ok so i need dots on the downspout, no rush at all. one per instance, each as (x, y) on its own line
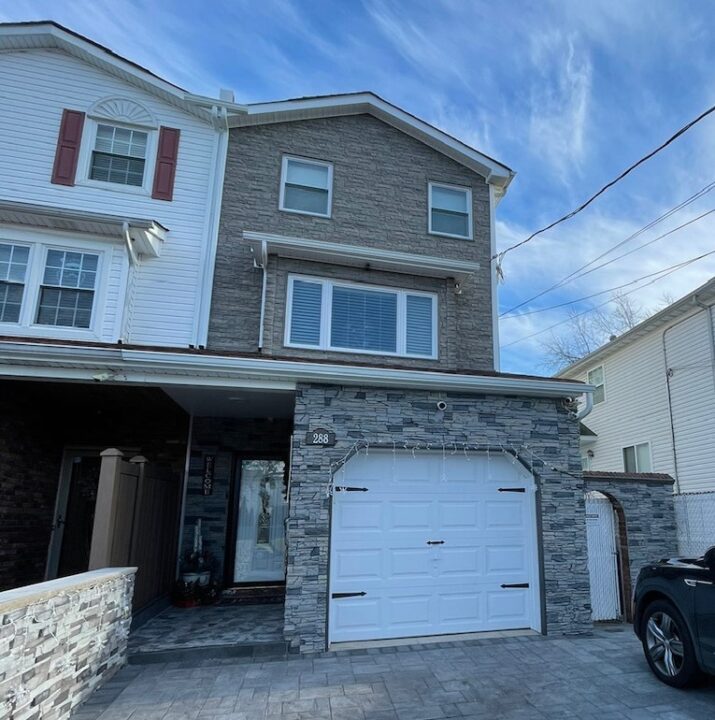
(586, 409)
(494, 278)
(219, 119)
(127, 311)
(263, 265)
(676, 484)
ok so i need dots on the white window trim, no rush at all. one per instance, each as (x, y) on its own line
(39, 244)
(634, 445)
(309, 161)
(84, 164)
(603, 383)
(326, 317)
(468, 190)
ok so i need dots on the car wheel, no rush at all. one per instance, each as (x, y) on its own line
(667, 645)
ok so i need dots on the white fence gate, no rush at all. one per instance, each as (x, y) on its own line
(695, 516)
(602, 557)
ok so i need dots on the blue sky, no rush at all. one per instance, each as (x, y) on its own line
(566, 93)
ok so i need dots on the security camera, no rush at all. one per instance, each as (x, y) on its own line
(441, 405)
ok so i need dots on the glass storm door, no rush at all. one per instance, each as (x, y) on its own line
(260, 537)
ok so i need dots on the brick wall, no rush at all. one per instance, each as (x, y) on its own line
(379, 200)
(37, 421)
(60, 640)
(386, 416)
(228, 439)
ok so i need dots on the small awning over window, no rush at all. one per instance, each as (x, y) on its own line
(263, 244)
(146, 236)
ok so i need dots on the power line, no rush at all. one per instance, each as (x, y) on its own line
(608, 185)
(576, 274)
(663, 274)
(598, 267)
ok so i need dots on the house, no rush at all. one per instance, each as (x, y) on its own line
(306, 370)
(654, 408)
(111, 181)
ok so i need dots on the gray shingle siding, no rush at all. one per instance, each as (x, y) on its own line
(379, 200)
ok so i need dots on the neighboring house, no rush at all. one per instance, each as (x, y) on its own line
(316, 383)
(654, 407)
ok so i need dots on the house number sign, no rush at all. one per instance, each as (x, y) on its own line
(320, 436)
(207, 480)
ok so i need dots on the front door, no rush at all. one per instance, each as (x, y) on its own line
(260, 536)
(74, 514)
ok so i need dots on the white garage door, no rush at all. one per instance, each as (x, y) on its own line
(432, 544)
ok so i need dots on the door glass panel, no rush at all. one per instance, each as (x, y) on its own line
(260, 537)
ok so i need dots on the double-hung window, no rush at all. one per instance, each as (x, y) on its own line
(306, 186)
(67, 289)
(49, 289)
(13, 272)
(450, 211)
(597, 379)
(636, 458)
(119, 155)
(346, 317)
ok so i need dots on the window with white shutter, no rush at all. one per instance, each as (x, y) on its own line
(349, 317)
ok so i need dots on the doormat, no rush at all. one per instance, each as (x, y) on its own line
(253, 596)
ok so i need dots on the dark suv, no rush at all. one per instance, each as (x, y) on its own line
(674, 617)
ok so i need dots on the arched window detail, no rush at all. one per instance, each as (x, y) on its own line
(123, 110)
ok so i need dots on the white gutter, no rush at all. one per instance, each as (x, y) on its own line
(33, 360)
(201, 324)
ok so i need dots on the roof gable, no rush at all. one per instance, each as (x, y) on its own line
(361, 103)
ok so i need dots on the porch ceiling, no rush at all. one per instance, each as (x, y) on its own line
(234, 403)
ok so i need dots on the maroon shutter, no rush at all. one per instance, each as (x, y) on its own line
(67, 154)
(165, 171)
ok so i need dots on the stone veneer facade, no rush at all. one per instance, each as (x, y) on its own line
(61, 639)
(383, 416)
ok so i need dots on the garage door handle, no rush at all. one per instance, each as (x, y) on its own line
(515, 585)
(512, 490)
(435, 542)
(337, 596)
(343, 488)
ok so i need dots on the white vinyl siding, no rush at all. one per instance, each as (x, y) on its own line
(597, 379)
(450, 211)
(636, 458)
(347, 317)
(306, 186)
(164, 295)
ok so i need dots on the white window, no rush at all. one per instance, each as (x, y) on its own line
(13, 271)
(119, 155)
(597, 379)
(450, 210)
(67, 289)
(347, 317)
(636, 458)
(306, 186)
(50, 289)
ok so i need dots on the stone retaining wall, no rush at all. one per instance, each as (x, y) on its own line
(60, 639)
(376, 415)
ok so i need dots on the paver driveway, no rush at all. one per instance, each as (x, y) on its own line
(601, 677)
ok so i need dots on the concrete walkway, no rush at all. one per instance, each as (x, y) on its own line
(602, 677)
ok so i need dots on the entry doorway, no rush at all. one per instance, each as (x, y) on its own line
(258, 535)
(71, 537)
(603, 561)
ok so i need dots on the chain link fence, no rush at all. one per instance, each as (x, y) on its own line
(695, 515)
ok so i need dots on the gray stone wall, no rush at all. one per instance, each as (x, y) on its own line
(648, 514)
(60, 640)
(228, 439)
(379, 200)
(385, 416)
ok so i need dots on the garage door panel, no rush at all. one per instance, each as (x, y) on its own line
(501, 559)
(379, 546)
(502, 513)
(409, 563)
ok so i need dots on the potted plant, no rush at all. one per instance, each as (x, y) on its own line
(184, 594)
(196, 566)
